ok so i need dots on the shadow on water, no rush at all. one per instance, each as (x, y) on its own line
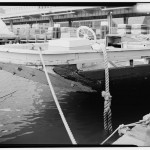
(84, 113)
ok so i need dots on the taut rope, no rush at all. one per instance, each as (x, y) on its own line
(56, 102)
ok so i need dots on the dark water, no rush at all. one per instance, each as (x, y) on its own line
(29, 115)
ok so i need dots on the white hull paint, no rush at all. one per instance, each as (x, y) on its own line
(59, 57)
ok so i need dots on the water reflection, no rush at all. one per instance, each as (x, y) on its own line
(16, 108)
(29, 116)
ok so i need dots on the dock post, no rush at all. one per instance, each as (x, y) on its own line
(30, 25)
(70, 23)
(131, 63)
(109, 18)
(51, 23)
(125, 20)
(148, 60)
(36, 38)
(11, 25)
(45, 37)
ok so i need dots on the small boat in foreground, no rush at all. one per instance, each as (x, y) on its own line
(138, 135)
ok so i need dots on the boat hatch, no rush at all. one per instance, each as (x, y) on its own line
(113, 41)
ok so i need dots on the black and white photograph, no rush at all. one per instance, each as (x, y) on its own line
(74, 74)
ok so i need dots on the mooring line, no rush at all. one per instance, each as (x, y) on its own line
(110, 135)
(56, 101)
(106, 94)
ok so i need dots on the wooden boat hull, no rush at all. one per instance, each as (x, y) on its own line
(89, 79)
(38, 75)
(96, 78)
(65, 62)
(27, 54)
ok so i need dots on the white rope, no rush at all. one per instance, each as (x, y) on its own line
(111, 134)
(106, 95)
(57, 103)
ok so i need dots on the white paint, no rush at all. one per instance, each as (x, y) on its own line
(69, 42)
(6, 109)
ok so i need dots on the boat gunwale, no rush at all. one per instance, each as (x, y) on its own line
(109, 50)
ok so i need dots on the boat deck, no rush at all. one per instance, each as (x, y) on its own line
(138, 135)
(61, 57)
(128, 140)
